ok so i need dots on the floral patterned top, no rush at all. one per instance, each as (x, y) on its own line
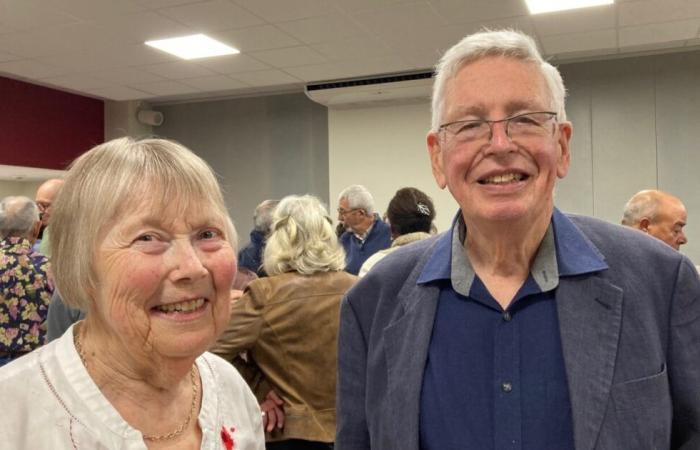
(25, 293)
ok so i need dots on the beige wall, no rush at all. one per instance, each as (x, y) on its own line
(26, 188)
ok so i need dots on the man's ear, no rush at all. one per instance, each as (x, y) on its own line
(435, 153)
(565, 132)
(644, 224)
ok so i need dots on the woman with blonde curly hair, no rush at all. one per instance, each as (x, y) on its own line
(288, 322)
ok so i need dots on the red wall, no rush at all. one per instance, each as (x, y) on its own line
(43, 127)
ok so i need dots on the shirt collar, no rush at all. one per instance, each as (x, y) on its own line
(564, 251)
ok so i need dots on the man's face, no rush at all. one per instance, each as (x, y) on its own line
(44, 199)
(500, 179)
(350, 217)
(668, 224)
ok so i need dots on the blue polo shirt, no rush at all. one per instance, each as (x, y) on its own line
(494, 378)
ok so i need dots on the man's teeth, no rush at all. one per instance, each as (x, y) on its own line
(187, 306)
(506, 178)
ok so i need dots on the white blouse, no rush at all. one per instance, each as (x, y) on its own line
(50, 401)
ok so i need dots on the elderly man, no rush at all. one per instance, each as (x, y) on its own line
(521, 327)
(658, 214)
(25, 287)
(366, 232)
(251, 255)
(45, 196)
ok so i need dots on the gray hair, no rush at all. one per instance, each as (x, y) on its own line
(358, 197)
(644, 204)
(18, 215)
(303, 239)
(508, 43)
(262, 218)
(105, 181)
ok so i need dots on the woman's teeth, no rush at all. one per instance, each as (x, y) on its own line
(187, 306)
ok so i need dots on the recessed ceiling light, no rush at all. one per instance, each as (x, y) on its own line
(544, 6)
(193, 47)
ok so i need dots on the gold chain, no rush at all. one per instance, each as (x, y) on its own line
(157, 437)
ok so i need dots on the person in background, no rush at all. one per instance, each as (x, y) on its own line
(410, 215)
(25, 282)
(45, 196)
(658, 214)
(250, 256)
(141, 239)
(520, 328)
(288, 324)
(366, 232)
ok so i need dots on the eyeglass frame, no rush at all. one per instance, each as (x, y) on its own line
(490, 123)
(343, 212)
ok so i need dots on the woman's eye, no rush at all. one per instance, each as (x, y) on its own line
(146, 238)
(208, 234)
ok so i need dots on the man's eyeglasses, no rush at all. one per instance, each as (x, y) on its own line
(343, 212)
(531, 125)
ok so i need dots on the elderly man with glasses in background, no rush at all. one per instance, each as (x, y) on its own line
(521, 327)
(365, 233)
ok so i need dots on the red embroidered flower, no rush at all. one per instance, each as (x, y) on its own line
(227, 439)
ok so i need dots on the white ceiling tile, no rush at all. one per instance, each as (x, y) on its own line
(262, 37)
(318, 72)
(178, 70)
(318, 29)
(212, 16)
(278, 11)
(363, 5)
(459, 11)
(76, 82)
(115, 56)
(214, 83)
(93, 9)
(402, 20)
(118, 93)
(144, 26)
(8, 57)
(575, 21)
(157, 4)
(53, 40)
(31, 69)
(165, 88)
(652, 11)
(232, 64)
(659, 33)
(579, 42)
(266, 78)
(26, 15)
(126, 76)
(353, 48)
(289, 57)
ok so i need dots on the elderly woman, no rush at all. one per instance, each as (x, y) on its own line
(288, 323)
(141, 241)
(410, 215)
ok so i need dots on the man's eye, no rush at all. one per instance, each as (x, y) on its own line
(468, 127)
(524, 121)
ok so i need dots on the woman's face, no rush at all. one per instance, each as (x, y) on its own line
(164, 278)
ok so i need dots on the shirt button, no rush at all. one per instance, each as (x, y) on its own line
(506, 387)
(506, 316)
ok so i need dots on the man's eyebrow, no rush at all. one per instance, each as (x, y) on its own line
(480, 111)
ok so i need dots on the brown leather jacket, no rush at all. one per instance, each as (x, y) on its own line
(288, 324)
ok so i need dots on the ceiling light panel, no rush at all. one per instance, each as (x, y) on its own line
(193, 47)
(545, 6)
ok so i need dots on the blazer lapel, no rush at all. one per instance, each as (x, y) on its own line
(406, 341)
(590, 317)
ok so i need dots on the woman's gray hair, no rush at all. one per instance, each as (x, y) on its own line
(18, 215)
(358, 197)
(110, 179)
(508, 43)
(303, 239)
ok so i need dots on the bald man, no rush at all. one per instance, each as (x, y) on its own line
(658, 214)
(45, 196)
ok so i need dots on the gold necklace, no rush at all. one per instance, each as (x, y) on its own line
(153, 437)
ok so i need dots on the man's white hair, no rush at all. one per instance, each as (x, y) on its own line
(509, 43)
(358, 197)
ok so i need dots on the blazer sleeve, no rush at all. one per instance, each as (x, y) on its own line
(245, 322)
(684, 359)
(351, 426)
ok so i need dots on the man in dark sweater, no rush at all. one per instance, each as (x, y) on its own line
(366, 232)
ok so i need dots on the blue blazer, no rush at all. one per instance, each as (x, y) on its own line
(630, 336)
